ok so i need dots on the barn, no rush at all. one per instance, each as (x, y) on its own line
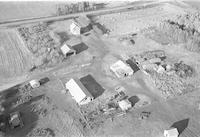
(78, 91)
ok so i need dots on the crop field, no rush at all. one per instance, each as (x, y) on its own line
(25, 10)
(14, 58)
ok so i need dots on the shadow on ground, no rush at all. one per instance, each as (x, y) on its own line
(63, 37)
(8, 101)
(181, 125)
(92, 86)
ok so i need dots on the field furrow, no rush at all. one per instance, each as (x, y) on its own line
(14, 56)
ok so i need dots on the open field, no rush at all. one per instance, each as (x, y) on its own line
(136, 20)
(15, 58)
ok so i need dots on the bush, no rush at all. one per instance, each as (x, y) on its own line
(183, 70)
(184, 30)
(169, 85)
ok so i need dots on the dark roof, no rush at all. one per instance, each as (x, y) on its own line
(133, 65)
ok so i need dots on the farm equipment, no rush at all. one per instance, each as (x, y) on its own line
(41, 132)
(144, 115)
(15, 120)
(120, 93)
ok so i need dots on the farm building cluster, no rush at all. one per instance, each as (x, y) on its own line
(45, 46)
(99, 73)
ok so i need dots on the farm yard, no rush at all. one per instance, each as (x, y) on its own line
(15, 58)
(133, 85)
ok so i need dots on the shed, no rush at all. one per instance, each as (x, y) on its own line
(173, 132)
(121, 69)
(34, 83)
(79, 93)
(160, 69)
(67, 50)
(124, 104)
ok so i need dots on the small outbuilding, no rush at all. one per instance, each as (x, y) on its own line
(34, 83)
(67, 50)
(124, 104)
(78, 91)
(172, 132)
(121, 69)
(160, 69)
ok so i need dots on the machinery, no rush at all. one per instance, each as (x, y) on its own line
(15, 120)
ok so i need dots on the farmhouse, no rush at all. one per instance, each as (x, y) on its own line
(173, 132)
(67, 50)
(80, 26)
(121, 69)
(79, 93)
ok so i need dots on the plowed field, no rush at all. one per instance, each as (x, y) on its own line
(15, 59)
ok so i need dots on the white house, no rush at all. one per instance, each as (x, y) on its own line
(121, 69)
(173, 132)
(78, 91)
(75, 28)
(67, 50)
(80, 25)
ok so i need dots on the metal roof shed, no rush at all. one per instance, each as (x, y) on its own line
(173, 132)
(124, 104)
(67, 50)
(79, 93)
(121, 69)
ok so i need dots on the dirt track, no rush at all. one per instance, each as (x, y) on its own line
(89, 13)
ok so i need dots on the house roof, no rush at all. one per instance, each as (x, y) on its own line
(124, 104)
(73, 41)
(66, 48)
(173, 132)
(120, 67)
(82, 21)
(77, 90)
